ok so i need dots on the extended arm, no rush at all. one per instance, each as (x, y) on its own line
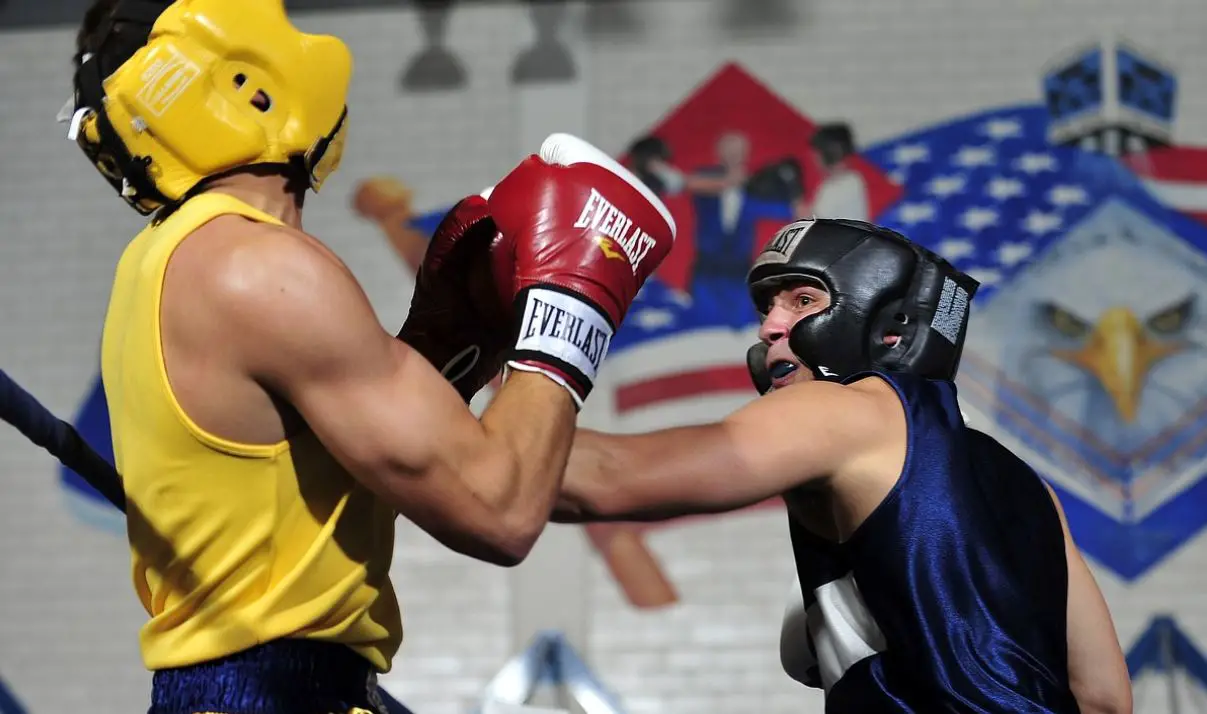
(308, 334)
(782, 440)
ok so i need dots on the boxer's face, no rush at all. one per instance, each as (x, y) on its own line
(793, 301)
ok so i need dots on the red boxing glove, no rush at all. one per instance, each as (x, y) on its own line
(456, 320)
(580, 236)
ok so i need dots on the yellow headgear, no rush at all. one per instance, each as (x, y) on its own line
(219, 84)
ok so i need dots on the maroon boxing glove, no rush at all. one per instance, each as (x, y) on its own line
(456, 320)
(580, 234)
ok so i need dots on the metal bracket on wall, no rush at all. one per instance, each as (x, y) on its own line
(548, 59)
(762, 17)
(435, 67)
(613, 20)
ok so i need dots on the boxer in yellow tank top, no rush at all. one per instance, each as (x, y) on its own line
(268, 430)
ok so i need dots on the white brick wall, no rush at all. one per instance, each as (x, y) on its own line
(68, 619)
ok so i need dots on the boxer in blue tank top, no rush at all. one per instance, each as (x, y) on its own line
(935, 572)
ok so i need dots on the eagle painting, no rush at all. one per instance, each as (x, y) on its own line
(1091, 362)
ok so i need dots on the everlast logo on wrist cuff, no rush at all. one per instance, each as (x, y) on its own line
(599, 214)
(565, 327)
(548, 320)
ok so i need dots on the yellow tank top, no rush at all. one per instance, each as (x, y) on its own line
(233, 544)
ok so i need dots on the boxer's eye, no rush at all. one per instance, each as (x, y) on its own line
(1172, 319)
(1063, 321)
(804, 297)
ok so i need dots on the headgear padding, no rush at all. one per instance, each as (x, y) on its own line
(880, 284)
(218, 85)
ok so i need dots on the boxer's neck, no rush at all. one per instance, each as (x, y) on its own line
(274, 194)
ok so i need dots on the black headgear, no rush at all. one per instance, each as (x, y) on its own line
(880, 284)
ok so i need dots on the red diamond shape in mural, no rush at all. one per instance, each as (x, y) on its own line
(732, 100)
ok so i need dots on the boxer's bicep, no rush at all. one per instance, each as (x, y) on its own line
(307, 333)
(777, 442)
(808, 432)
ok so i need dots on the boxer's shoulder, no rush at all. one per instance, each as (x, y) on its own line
(233, 258)
(876, 386)
(232, 236)
(871, 412)
(853, 432)
(257, 284)
(868, 399)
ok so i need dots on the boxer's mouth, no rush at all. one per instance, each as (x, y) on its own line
(781, 371)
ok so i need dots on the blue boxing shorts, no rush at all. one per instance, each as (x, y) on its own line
(281, 677)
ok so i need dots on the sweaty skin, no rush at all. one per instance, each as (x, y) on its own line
(852, 458)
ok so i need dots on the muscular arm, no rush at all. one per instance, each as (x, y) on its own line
(308, 334)
(1097, 668)
(782, 440)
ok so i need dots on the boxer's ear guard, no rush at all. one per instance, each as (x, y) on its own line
(931, 322)
(881, 285)
(218, 86)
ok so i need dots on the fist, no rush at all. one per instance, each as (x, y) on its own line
(456, 320)
(579, 236)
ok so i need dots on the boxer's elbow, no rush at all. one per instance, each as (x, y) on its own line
(513, 548)
(493, 544)
(514, 534)
(467, 512)
(1094, 706)
(485, 532)
(504, 553)
(506, 541)
(1104, 697)
(512, 510)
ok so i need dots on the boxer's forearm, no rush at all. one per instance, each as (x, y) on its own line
(494, 502)
(641, 477)
(588, 492)
(532, 421)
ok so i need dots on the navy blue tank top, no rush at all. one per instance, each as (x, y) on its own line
(952, 595)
